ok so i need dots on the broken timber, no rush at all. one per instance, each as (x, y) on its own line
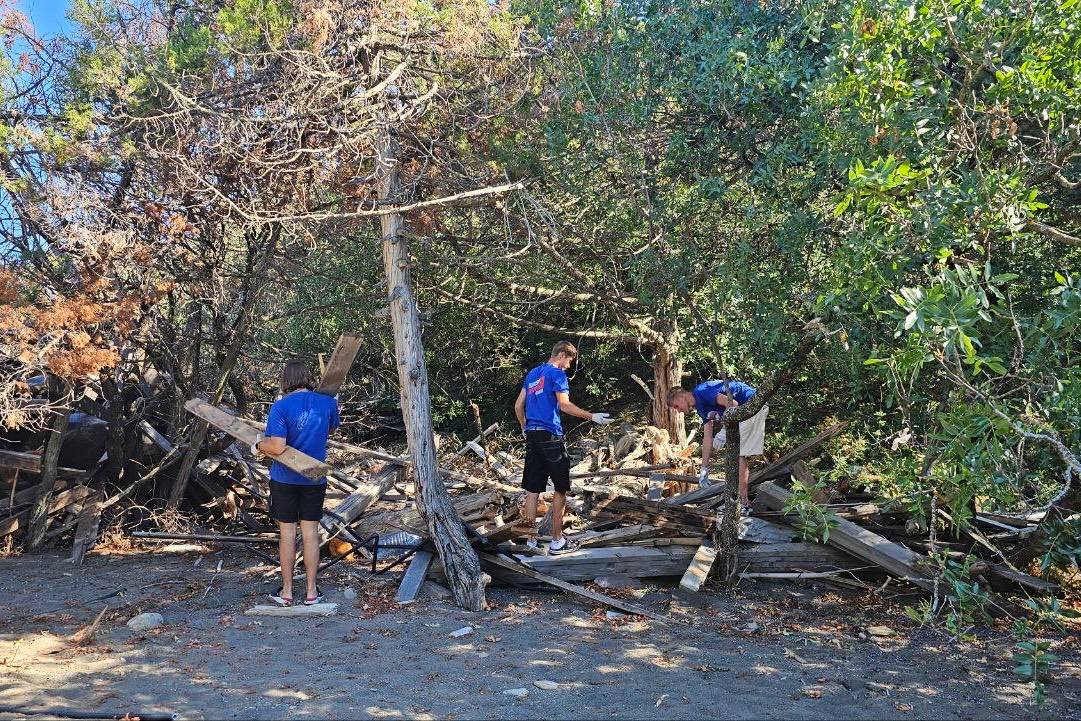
(700, 494)
(86, 533)
(340, 363)
(32, 462)
(414, 576)
(510, 565)
(236, 427)
(860, 542)
(698, 570)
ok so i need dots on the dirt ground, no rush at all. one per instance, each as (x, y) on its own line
(763, 651)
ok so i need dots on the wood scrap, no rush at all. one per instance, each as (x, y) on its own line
(414, 576)
(86, 532)
(341, 360)
(698, 570)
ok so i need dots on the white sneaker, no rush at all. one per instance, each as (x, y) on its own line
(531, 544)
(562, 546)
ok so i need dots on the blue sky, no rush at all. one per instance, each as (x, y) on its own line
(48, 15)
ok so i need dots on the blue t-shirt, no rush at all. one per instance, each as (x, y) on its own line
(541, 406)
(304, 419)
(705, 395)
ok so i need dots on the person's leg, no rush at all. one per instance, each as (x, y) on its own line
(559, 502)
(287, 553)
(309, 531)
(531, 514)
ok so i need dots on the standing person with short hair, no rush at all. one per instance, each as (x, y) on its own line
(300, 419)
(710, 399)
(545, 392)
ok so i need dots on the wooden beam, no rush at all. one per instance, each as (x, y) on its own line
(509, 565)
(299, 610)
(414, 576)
(698, 570)
(700, 494)
(86, 532)
(585, 564)
(58, 503)
(293, 459)
(345, 353)
(860, 542)
(32, 462)
(615, 535)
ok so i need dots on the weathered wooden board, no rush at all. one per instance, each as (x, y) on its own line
(700, 494)
(698, 570)
(414, 576)
(860, 542)
(246, 434)
(784, 557)
(32, 462)
(345, 352)
(60, 501)
(655, 513)
(585, 564)
(86, 532)
(507, 564)
(616, 535)
(297, 611)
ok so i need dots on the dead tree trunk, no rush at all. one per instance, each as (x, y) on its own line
(667, 374)
(462, 566)
(39, 512)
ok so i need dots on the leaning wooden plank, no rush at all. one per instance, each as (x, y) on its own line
(414, 576)
(27, 495)
(655, 489)
(860, 542)
(319, 609)
(698, 570)
(409, 519)
(700, 494)
(243, 432)
(345, 352)
(86, 533)
(616, 535)
(353, 505)
(32, 462)
(510, 565)
(1036, 585)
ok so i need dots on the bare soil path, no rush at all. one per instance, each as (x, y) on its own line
(763, 652)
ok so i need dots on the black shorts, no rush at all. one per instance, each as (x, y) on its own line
(292, 502)
(546, 457)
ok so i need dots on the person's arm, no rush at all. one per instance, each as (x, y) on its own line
(519, 408)
(271, 445)
(272, 440)
(570, 409)
(707, 445)
(724, 402)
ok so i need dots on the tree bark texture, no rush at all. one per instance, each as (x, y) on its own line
(667, 374)
(39, 512)
(446, 530)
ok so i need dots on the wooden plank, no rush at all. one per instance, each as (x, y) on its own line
(86, 532)
(655, 490)
(616, 535)
(152, 433)
(655, 513)
(414, 576)
(700, 494)
(59, 502)
(585, 564)
(802, 556)
(302, 463)
(28, 494)
(860, 542)
(345, 352)
(32, 462)
(510, 565)
(1031, 583)
(698, 570)
(297, 611)
(353, 506)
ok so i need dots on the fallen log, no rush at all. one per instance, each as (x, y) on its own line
(32, 462)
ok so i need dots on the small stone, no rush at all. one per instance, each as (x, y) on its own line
(546, 685)
(751, 627)
(517, 692)
(349, 594)
(145, 621)
(614, 615)
(880, 631)
(464, 631)
(619, 581)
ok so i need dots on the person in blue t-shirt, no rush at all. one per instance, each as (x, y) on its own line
(711, 400)
(545, 392)
(300, 419)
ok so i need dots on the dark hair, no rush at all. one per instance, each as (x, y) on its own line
(566, 347)
(295, 374)
(672, 395)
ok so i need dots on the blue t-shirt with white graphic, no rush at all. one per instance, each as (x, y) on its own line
(705, 395)
(304, 419)
(541, 406)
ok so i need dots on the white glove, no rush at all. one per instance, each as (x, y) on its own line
(703, 478)
(255, 447)
(602, 419)
(720, 438)
(714, 415)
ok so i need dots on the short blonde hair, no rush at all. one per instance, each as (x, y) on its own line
(565, 347)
